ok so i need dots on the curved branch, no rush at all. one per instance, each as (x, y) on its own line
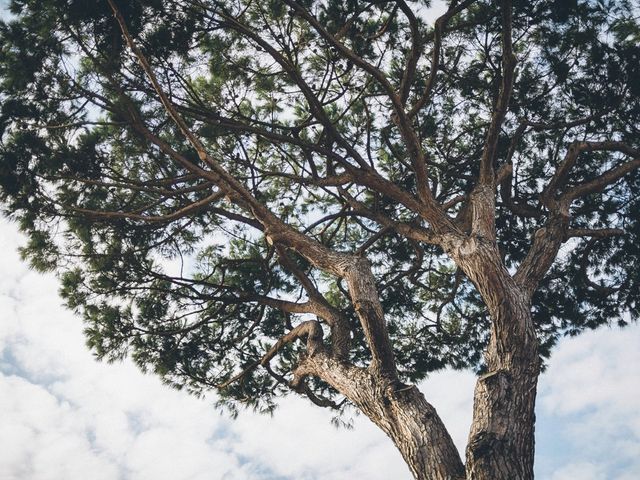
(180, 213)
(602, 181)
(318, 305)
(561, 174)
(509, 61)
(435, 58)
(310, 329)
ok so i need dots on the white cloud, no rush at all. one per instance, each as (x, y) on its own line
(594, 370)
(591, 393)
(41, 438)
(582, 471)
(299, 443)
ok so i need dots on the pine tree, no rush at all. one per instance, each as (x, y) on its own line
(333, 198)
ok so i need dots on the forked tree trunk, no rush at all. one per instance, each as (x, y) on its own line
(501, 441)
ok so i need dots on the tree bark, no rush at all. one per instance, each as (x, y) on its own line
(501, 440)
(401, 411)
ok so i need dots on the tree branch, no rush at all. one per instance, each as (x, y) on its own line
(561, 174)
(602, 181)
(435, 56)
(310, 329)
(594, 232)
(180, 213)
(509, 61)
(544, 248)
(414, 54)
(403, 122)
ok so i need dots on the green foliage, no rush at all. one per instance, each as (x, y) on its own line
(182, 296)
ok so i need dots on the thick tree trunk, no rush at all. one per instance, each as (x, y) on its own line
(501, 440)
(401, 411)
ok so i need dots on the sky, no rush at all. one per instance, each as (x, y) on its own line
(64, 416)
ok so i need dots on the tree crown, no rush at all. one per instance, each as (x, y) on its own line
(200, 173)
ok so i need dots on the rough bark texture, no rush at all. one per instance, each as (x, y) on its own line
(401, 411)
(501, 440)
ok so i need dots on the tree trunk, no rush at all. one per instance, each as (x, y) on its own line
(501, 440)
(417, 431)
(401, 411)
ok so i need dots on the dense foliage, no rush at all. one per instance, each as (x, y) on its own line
(168, 269)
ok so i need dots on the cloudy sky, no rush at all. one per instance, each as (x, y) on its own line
(63, 416)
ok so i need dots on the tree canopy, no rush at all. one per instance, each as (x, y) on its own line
(201, 172)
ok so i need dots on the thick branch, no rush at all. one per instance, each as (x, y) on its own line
(561, 174)
(340, 335)
(548, 239)
(602, 181)
(407, 230)
(594, 232)
(544, 248)
(363, 292)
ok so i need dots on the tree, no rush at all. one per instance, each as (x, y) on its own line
(355, 196)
